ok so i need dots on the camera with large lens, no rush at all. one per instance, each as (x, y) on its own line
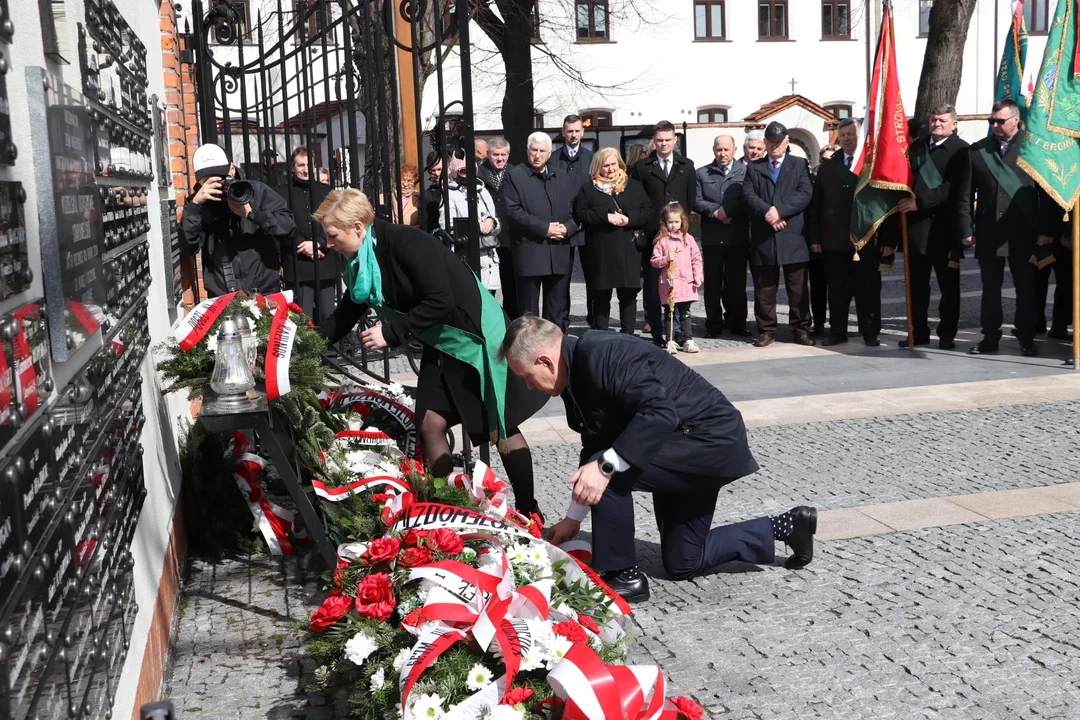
(237, 191)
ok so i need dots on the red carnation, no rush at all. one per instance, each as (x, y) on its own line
(414, 619)
(382, 550)
(588, 623)
(380, 498)
(536, 526)
(688, 708)
(447, 541)
(333, 609)
(409, 466)
(493, 486)
(517, 695)
(339, 582)
(415, 556)
(296, 308)
(415, 537)
(375, 597)
(390, 519)
(571, 631)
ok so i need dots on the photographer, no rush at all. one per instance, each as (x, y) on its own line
(238, 224)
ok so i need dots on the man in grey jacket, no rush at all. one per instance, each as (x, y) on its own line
(485, 212)
(724, 239)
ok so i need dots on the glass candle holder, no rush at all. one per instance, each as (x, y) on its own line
(232, 371)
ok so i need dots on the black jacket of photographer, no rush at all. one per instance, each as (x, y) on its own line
(252, 244)
(304, 198)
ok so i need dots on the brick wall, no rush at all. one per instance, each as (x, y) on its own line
(183, 128)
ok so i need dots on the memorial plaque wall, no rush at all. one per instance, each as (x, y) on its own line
(15, 274)
(174, 285)
(8, 151)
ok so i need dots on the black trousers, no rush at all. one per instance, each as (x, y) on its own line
(1062, 268)
(766, 283)
(556, 291)
(725, 287)
(859, 280)
(305, 293)
(601, 305)
(508, 281)
(580, 252)
(684, 505)
(948, 280)
(992, 272)
(819, 290)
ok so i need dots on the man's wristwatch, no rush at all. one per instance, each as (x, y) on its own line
(606, 468)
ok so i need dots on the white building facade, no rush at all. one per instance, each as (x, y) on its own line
(725, 65)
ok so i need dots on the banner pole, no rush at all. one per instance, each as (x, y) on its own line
(1075, 284)
(907, 284)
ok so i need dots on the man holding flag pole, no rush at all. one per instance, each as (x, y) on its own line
(1049, 152)
(881, 159)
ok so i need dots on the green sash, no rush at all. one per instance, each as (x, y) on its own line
(1009, 182)
(477, 352)
(926, 168)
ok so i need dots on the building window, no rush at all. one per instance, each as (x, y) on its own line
(243, 25)
(595, 118)
(538, 119)
(840, 110)
(534, 19)
(315, 23)
(924, 17)
(708, 19)
(772, 20)
(592, 20)
(1036, 16)
(835, 20)
(712, 115)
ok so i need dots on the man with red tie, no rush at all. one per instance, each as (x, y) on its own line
(778, 190)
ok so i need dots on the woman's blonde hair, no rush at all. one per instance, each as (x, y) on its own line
(601, 157)
(635, 153)
(671, 210)
(342, 209)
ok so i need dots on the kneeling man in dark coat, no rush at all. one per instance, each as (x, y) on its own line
(651, 424)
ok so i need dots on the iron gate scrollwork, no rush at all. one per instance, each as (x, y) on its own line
(324, 74)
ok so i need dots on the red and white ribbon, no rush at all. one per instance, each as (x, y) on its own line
(431, 645)
(595, 691)
(274, 522)
(279, 348)
(482, 482)
(197, 323)
(369, 438)
(25, 373)
(337, 494)
(403, 414)
(433, 516)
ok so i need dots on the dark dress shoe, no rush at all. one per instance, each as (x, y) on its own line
(872, 341)
(741, 332)
(918, 342)
(631, 584)
(805, 340)
(801, 539)
(1056, 334)
(983, 349)
(818, 331)
(946, 344)
(833, 340)
(764, 340)
(713, 334)
(1029, 350)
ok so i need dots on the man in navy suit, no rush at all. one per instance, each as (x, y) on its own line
(778, 190)
(574, 160)
(648, 423)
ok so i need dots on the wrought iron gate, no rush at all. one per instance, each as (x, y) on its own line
(327, 75)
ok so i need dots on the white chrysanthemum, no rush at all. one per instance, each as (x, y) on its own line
(252, 308)
(428, 707)
(538, 557)
(359, 647)
(505, 712)
(557, 651)
(479, 677)
(355, 423)
(518, 554)
(395, 389)
(533, 660)
(378, 680)
(211, 342)
(399, 661)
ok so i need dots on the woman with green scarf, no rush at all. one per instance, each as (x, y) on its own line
(421, 290)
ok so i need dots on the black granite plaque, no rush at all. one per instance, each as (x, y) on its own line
(24, 635)
(8, 152)
(12, 561)
(8, 421)
(14, 270)
(32, 474)
(78, 234)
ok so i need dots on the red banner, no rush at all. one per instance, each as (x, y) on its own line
(197, 323)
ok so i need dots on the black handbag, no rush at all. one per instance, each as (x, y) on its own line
(636, 236)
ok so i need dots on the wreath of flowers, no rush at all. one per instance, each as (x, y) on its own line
(191, 369)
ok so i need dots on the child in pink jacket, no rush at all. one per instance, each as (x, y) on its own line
(673, 244)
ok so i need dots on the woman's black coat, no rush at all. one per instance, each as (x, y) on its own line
(613, 261)
(428, 284)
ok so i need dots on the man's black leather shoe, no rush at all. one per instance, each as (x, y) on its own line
(1029, 350)
(872, 341)
(946, 344)
(741, 332)
(833, 340)
(983, 349)
(1058, 334)
(801, 539)
(631, 584)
